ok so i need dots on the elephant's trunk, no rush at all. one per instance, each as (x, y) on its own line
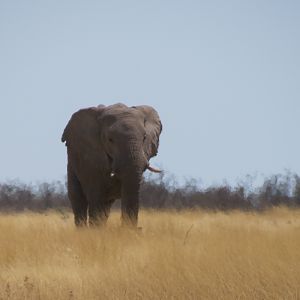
(130, 200)
(130, 175)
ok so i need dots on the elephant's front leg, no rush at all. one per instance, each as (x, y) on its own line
(130, 209)
(77, 198)
(98, 209)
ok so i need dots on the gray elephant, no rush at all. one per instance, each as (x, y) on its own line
(109, 148)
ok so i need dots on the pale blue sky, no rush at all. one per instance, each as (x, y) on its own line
(223, 75)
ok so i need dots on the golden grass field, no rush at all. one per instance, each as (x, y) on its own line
(185, 255)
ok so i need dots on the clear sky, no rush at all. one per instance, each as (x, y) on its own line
(223, 75)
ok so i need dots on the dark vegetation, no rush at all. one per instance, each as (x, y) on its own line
(164, 193)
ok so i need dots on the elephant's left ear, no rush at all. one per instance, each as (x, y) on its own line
(153, 128)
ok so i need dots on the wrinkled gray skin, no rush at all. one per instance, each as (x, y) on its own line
(104, 140)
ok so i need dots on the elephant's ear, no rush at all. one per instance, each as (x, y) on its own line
(83, 125)
(153, 128)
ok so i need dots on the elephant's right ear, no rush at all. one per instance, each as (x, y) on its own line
(66, 133)
(64, 136)
(84, 121)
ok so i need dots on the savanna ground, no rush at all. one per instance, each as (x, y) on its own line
(177, 255)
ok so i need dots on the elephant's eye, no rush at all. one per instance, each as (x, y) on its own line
(110, 140)
(145, 135)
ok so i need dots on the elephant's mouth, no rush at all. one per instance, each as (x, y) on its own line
(148, 167)
(113, 171)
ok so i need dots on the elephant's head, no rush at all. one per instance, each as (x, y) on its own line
(130, 137)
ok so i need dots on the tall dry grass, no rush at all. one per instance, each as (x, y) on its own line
(186, 255)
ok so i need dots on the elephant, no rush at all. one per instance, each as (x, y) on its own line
(108, 149)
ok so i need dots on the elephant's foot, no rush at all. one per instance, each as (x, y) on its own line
(80, 221)
(130, 222)
(97, 221)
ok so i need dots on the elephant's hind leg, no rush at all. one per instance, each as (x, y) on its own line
(77, 198)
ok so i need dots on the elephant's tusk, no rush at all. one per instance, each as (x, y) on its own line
(112, 174)
(153, 169)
